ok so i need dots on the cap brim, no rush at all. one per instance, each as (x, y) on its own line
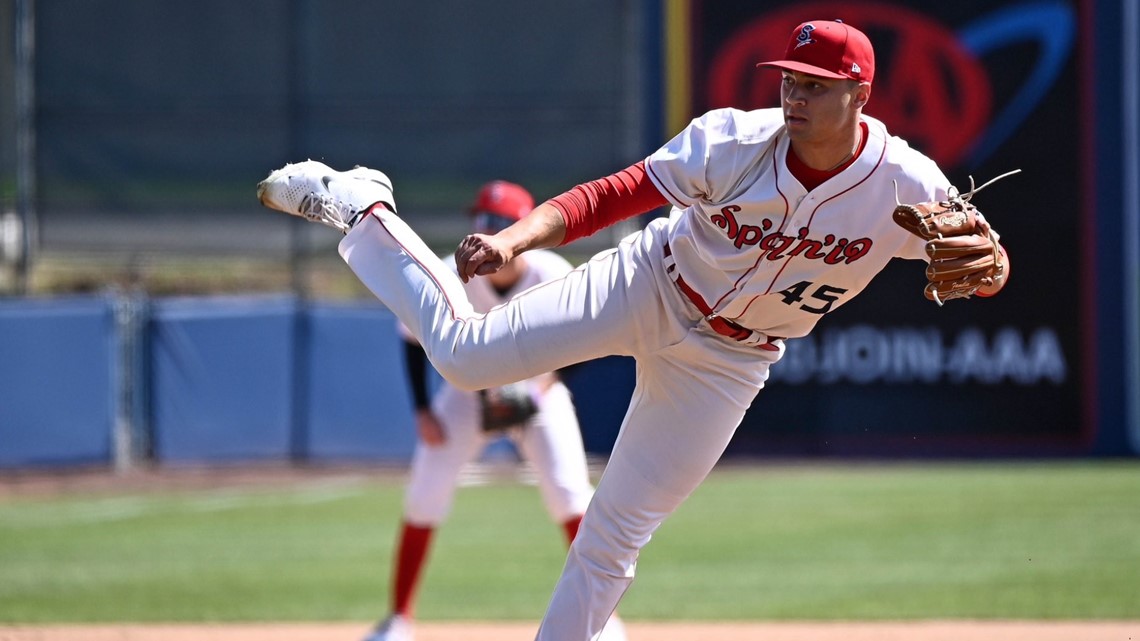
(811, 70)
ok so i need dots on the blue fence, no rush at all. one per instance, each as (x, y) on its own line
(222, 379)
(183, 381)
(58, 364)
(90, 381)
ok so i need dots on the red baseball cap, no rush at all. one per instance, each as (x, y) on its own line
(829, 49)
(502, 198)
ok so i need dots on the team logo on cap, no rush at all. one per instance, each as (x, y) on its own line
(805, 36)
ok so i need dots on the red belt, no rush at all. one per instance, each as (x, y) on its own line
(721, 326)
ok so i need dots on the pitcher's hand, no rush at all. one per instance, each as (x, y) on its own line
(480, 254)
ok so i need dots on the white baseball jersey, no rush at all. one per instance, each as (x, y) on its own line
(761, 249)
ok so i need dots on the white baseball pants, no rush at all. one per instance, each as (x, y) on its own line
(692, 385)
(551, 441)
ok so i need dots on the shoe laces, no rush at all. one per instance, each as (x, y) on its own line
(325, 209)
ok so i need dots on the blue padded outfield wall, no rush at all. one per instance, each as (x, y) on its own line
(190, 381)
(57, 372)
(222, 378)
(216, 380)
(357, 393)
(249, 379)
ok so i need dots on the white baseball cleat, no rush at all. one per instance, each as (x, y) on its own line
(394, 628)
(319, 193)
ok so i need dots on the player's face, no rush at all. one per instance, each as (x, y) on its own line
(488, 223)
(820, 109)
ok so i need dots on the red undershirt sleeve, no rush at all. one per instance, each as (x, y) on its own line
(600, 203)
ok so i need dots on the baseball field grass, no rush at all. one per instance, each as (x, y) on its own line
(765, 541)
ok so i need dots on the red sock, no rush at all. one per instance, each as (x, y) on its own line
(410, 557)
(571, 527)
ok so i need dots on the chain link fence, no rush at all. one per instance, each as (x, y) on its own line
(148, 125)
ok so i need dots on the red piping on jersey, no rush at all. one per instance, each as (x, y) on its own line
(600, 203)
(811, 178)
(878, 163)
(755, 265)
(720, 325)
(671, 195)
(450, 308)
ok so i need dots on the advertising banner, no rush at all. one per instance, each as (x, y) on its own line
(982, 88)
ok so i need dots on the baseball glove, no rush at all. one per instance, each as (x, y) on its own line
(963, 248)
(506, 406)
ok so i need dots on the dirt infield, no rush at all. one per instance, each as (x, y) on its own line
(839, 631)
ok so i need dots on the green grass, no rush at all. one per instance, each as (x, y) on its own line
(993, 541)
(976, 541)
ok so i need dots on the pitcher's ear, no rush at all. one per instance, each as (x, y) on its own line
(862, 94)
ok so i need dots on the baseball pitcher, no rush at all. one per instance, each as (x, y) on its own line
(779, 216)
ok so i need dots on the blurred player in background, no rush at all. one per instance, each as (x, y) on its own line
(455, 426)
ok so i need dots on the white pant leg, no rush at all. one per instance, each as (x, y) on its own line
(552, 442)
(687, 403)
(610, 305)
(435, 469)
(692, 385)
